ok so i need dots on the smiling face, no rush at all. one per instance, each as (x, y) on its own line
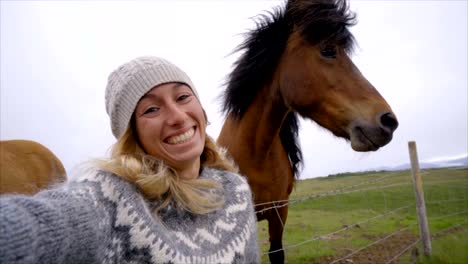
(170, 125)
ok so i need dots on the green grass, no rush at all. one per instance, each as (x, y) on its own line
(451, 248)
(446, 203)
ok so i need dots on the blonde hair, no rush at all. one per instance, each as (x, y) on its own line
(156, 180)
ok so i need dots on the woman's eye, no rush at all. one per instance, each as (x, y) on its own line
(183, 97)
(328, 52)
(151, 110)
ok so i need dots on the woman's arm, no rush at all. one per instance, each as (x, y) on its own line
(55, 226)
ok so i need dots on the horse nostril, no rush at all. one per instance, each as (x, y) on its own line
(389, 121)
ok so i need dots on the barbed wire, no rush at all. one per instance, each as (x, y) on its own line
(450, 227)
(444, 216)
(404, 251)
(360, 223)
(432, 182)
(341, 230)
(371, 244)
(419, 240)
(318, 196)
(326, 194)
(348, 190)
(332, 191)
(445, 201)
(392, 234)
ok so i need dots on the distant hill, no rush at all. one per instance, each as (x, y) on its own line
(457, 162)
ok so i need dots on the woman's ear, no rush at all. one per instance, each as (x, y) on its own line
(206, 118)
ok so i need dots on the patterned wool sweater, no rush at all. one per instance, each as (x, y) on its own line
(100, 218)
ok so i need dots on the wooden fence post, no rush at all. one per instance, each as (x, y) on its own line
(420, 203)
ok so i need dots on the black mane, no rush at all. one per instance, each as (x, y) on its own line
(319, 21)
(263, 48)
(324, 21)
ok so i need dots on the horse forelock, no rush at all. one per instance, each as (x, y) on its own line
(323, 21)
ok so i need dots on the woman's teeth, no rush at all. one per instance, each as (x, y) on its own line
(181, 138)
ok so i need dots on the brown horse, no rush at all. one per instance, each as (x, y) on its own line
(27, 167)
(296, 63)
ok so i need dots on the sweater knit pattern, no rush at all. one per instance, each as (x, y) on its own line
(126, 229)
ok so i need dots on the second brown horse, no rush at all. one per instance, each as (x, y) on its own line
(27, 167)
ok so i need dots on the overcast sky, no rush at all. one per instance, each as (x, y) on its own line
(56, 57)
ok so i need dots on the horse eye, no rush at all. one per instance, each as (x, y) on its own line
(328, 52)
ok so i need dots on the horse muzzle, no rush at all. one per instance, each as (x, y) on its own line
(369, 137)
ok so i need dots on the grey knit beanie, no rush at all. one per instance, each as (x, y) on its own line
(128, 83)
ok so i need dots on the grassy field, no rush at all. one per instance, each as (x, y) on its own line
(332, 217)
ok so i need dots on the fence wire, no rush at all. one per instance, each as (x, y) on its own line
(394, 233)
(352, 189)
(340, 230)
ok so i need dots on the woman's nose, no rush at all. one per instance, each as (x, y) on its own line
(175, 115)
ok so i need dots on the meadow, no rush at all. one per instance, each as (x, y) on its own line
(371, 218)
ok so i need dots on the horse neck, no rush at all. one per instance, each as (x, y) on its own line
(256, 134)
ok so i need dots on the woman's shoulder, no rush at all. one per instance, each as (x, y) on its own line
(230, 180)
(108, 184)
(225, 175)
(96, 174)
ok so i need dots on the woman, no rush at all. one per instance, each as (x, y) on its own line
(166, 195)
